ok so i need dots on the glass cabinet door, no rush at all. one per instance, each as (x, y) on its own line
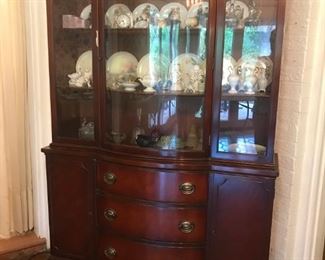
(72, 74)
(246, 87)
(156, 55)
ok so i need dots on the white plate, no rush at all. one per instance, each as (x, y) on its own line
(247, 148)
(152, 68)
(122, 63)
(86, 12)
(241, 5)
(166, 9)
(186, 63)
(116, 13)
(229, 64)
(194, 9)
(85, 62)
(141, 15)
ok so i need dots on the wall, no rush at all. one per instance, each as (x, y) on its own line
(297, 213)
(300, 133)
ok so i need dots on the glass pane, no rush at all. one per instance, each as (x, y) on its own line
(156, 68)
(73, 68)
(247, 76)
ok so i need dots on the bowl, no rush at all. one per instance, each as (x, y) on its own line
(247, 148)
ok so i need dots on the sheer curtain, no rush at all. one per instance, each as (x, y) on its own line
(16, 203)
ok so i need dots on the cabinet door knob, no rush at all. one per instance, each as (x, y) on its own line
(110, 253)
(187, 188)
(110, 214)
(186, 227)
(109, 178)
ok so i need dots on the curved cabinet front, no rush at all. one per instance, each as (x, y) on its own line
(162, 222)
(155, 185)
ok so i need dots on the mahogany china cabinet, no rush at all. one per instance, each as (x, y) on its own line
(163, 118)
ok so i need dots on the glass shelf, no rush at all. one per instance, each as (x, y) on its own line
(244, 97)
(142, 93)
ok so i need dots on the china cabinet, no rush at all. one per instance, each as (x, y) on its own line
(163, 119)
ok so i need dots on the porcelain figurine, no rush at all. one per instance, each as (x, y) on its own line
(254, 13)
(231, 18)
(197, 80)
(74, 76)
(175, 15)
(233, 80)
(178, 84)
(86, 131)
(87, 76)
(250, 81)
(262, 83)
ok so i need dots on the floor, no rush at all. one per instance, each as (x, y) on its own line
(30, 254)
(25, 247)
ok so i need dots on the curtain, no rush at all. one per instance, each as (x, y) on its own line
(16, 203)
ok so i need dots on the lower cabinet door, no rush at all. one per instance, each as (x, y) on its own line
(70, 191)
(239, 217)
(112, 247)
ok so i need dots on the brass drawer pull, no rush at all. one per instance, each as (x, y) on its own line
(187, 188)
(110, 253)
(110, 178)
(110, 214)
(186, 227)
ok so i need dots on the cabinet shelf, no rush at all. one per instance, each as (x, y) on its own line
(145, 31)
(81, 29)
(142, 93)
(244, 97)
(70, 93)
(136, 31)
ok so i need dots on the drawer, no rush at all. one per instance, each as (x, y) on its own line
(161, 222)
(111, 247)
(156, 185)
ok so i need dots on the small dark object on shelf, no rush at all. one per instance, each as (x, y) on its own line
(146, 140)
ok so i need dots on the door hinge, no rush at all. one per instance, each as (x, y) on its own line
(209, 140)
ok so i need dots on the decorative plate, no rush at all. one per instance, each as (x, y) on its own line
(142, 13)
(119, 16)
(229, 64)
(240, 6)
(84, 62)
(121, 63)
(196, 10)
(166, 12)
(86, 13)
(154, 69)
(182, 67)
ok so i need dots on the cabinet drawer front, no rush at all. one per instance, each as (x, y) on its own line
(162, 222)
(153, 185)
(111, 247)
